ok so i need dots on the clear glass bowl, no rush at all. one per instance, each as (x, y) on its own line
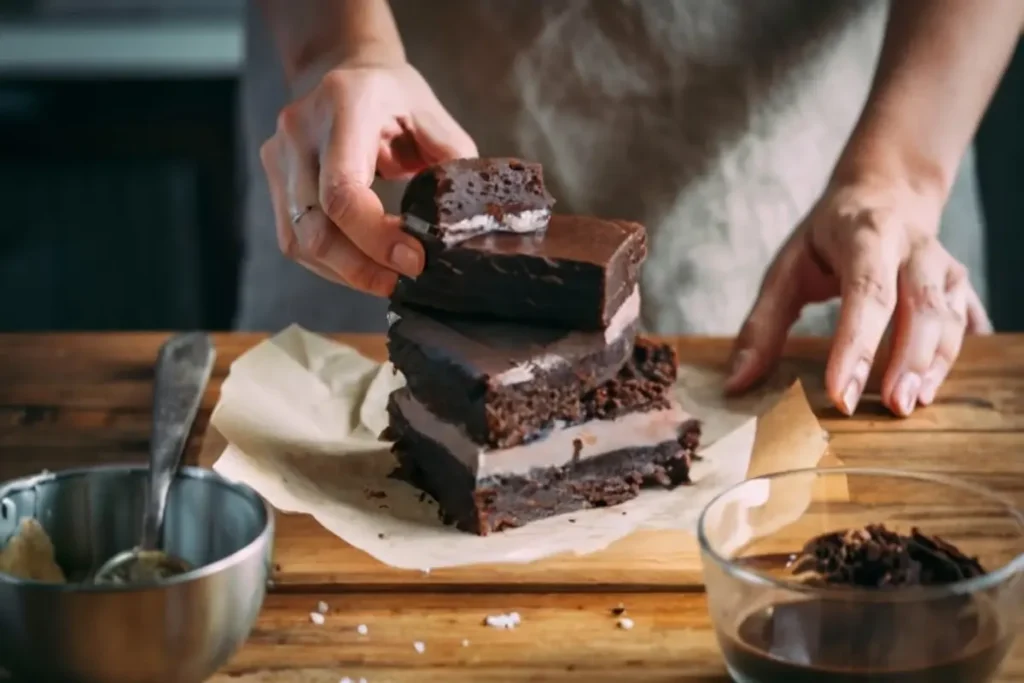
(772, 627)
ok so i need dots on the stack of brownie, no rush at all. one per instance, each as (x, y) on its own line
(528, 393)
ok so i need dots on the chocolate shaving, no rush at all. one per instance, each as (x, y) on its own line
(876, 557)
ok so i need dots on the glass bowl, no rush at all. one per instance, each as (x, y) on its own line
(771, 626)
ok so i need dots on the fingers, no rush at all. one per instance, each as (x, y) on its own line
(867, 281)
(305, 234)
(440, 138)
(929, 325)
(325, 154)
(338, 255)
(764, 332)
(950, 341)
(347, 160)
(978, 321)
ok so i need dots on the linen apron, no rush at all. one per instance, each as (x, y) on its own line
(715, 123)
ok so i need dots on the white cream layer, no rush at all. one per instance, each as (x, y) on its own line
(636, 430)
(520, 223)
(627, 314)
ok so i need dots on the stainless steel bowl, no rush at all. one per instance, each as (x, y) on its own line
(179, 631)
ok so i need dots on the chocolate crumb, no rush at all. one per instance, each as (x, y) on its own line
(577, 448)
(618, 610)
(877, 557)
(380, 536)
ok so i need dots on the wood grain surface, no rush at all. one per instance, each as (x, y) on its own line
(83, 399)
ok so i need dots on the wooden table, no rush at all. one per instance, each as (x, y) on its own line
(70, 400)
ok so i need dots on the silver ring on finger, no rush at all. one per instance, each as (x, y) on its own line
(298, 214)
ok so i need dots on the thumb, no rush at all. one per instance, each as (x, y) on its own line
(760, 341)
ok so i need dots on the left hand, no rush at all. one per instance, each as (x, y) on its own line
(873, 244)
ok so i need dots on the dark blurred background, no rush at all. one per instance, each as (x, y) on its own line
(118, 174)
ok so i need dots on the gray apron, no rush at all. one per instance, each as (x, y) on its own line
(716, 123)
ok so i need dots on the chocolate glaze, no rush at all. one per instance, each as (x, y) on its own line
(447, 193)
(575, 274)
(462, 369)
(957, 639)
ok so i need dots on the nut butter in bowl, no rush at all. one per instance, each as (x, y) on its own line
(851, 575)
(58, 624)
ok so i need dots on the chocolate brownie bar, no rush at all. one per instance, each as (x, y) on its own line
(633, 435)
(463, 198)
(504, 383)
(577, 273)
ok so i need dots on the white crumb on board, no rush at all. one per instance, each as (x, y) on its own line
(419, 646)
(465, 642)
(322, 607)
(625, 623)
(362, 629)
(507, 621)
(317, 618)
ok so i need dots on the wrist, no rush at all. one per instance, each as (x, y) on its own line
(876, 159)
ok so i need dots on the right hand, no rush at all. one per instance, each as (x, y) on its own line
(358, 122)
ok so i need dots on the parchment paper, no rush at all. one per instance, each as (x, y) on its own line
(301, 415)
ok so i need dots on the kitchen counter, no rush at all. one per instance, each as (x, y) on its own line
(84, 399)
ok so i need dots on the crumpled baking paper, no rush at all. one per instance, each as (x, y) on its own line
(301, 415)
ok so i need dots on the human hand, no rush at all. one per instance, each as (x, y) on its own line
(358, 122)
(874, 245)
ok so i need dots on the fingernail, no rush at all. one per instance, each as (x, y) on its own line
(851, 397)
(906, 393)
(405, 259)
(929, 388)
(305, 232)
(855, 387)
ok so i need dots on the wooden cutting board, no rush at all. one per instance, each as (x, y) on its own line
(306, 555)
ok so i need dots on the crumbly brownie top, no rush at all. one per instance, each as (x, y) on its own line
(644, 383)
(462, 189)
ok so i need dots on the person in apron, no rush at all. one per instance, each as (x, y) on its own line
(799, 166)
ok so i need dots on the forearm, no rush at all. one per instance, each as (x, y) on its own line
(311, 33)
(940, 65)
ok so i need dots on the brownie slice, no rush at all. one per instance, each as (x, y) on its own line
(459, 199)
(632, 435)
(577, 273)
(504, 383)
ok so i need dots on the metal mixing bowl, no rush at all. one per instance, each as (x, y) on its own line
(179, 631)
